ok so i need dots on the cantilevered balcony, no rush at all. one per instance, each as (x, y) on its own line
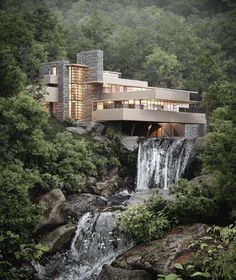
(51, 79)
(152, 93)
(52, 94)
(128, 114)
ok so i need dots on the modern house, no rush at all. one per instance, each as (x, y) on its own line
(86, 92)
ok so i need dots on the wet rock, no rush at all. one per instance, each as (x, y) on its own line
(99, 138)
(118, 199)
(130, 143)
(53, 206)
(107, 187)
(77, 130)
(142, 196)
(207, 180)
(109, 184)
(81, 124)
(91, 181)
(92, 128)
(78, 204)
(114, 172)
(109, 272)
(194, 165)
(95, 128)
(59, 238)
(159, 256)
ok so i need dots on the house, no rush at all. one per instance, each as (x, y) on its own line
(86, 92)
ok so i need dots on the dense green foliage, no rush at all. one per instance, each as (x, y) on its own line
(193, 203)
(27, 39)
(214, 257)
(33, 163)
(220, 146)
(13, 253)
(143, 224)
(18, 214)
(182, 44)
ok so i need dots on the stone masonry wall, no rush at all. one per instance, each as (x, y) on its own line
(61, 109)
(195, 130)
(93, 59)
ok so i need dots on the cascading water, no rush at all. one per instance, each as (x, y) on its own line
(162, 161)
(97, 241)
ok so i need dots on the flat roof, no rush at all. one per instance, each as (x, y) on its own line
(78, 65)
(111, 72)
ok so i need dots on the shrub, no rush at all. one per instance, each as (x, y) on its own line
(192, 203)
(142, 224)
(13, 253)
(17, 213)
(216, 253)
(68, 122)
(215, 256)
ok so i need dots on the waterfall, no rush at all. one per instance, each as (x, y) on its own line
(162, 161)
(97, 241)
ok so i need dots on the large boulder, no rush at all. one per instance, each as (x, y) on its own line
(194, 165)
(91, 128)
(142, 196)
(130, 143)
(78, 204)
(159, 256)
(54, 210)
(95, 128)
(81, 124)
(109, 272)
(109, 184)
(77, 130)
(59, 238)
(106, 187)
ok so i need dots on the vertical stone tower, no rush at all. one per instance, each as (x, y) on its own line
(94, 60)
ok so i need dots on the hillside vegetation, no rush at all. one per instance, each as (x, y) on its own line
(178, 44)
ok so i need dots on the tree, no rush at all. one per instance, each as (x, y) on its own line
(220, 146)
(17, 213)
(47, 31)
(129, 47)
(22, 121)
(89, 33)
(19, 47)
(12, 77)
(162, 69)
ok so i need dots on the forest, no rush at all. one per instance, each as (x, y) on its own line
(186, 44)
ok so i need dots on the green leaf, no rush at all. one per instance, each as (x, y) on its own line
(202, 274)
(179, 266)
(17, 255)
(203, 245)
(190, 266)
(171, 277)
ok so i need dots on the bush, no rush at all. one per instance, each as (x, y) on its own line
(17, 213)
(107, 152)
(193, 203)
(68, 122)
(142, 224)
(216, 253)
(13, 253)
(215, 256)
